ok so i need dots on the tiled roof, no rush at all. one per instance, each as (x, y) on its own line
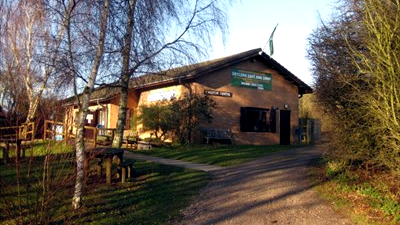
(195, 70)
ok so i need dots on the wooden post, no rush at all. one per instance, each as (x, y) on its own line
(123, 175)
(6, 152)
(45, 130)
(64, 133)
(86, 169)
(108, 170)
(112, 134)
(99, 168)
(17, 150)
(130, 170)
(95, 137)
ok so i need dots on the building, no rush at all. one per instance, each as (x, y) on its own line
(257, 98)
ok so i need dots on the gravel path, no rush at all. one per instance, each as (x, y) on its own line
(270, 190)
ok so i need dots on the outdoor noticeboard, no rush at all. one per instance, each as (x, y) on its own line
(251, 79)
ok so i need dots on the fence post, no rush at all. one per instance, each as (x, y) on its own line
(65, 133)
(95, 137)
(45, 130)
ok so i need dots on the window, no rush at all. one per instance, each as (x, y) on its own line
(257, 120)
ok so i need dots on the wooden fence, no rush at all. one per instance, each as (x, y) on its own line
(93, 135)
(23, 132)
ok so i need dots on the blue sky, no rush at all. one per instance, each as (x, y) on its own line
(251, 23)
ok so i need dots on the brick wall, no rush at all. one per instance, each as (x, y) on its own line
(227, 114)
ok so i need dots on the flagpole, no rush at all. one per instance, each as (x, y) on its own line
(270, 41)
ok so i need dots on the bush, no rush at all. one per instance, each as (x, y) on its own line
(357, 83)
(176, 118)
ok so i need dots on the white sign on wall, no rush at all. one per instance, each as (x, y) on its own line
(89, 117)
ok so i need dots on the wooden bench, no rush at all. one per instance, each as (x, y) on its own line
(217, 134)
(104, 140)
(131, 140)
(127, 170)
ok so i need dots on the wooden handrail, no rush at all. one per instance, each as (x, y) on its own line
(52, 130)
(11, 127)
(67, 135)
(20, 132)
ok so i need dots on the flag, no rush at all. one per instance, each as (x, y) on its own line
(271, 42)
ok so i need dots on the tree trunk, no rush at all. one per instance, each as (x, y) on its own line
(79, 144)
(125, 76)
(119, 133)
(33, 105)
(35, 100)
(80, 155)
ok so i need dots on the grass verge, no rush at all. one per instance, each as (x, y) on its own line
(220, 155)
(365, 197)
(39, 190)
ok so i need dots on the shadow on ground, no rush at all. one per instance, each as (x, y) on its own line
(268, 190)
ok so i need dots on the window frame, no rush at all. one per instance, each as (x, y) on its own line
(265, 123)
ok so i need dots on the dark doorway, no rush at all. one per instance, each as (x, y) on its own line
(285, 127)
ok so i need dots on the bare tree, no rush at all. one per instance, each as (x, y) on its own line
(46, 37)
(163, 34)
(338, 84)
(32, 38)
(11, 90)
(88, 10)
(125, 75)
(355, 59)
(379, 66)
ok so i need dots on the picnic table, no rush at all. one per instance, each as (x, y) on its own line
(105, 154)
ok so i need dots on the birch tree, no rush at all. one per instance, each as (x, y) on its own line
(162, 34)
(12, 93)
(125, 74)
(84, 23)
(32, 38)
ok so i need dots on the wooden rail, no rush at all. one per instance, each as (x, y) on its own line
(95, 135)
(22, 132)
(91, 133)
(18, 136)
(52, 130)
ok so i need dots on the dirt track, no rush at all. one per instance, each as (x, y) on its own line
(270, 190)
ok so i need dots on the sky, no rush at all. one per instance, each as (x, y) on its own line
(251, 23)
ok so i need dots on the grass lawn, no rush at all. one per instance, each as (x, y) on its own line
(220, 155)
(39, 190)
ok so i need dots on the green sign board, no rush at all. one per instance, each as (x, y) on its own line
(251, 79)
